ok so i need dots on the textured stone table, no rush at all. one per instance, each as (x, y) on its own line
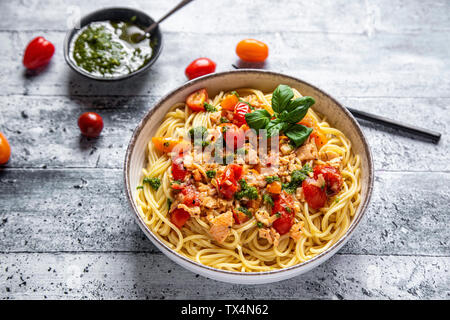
(65, 227)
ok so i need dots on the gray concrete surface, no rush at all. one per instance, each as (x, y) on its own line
(66, 231)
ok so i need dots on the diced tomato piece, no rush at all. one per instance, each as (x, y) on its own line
(274, 187)
(332, 176)
(284, 223)
(314, 195)
(178, 186)
(179, 217)
(229, 102)
(308, 121)
(284, 207)
(283, 203)
(228, 182)
(233, 136)
(240, 110)
(317, 135)
(195, 101)
(319, 138)
(239, 217)
(178, 170)
(168, 144)
(191, 196)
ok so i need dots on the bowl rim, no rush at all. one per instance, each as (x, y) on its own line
(341, 241)
(68, 40)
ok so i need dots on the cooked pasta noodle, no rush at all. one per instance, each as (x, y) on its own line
(244, 249)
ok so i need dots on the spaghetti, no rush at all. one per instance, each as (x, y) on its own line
(248, 217)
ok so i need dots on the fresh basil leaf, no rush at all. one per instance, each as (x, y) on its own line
(257, 119)
(297, 114)
(284, 116)
(306, 101)
(275, 126)
(298, 134)
(281, 97)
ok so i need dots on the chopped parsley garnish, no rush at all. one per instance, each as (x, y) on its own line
(209, 107)
(337, 199)
(235, 93)
(245, 211)
(211, 173)
(260, 224)
(247, 191)
(155, 183)
(268, 199)
(224, 120)
(278, 214)
(297, 177)
(139, 187)
(271, 179)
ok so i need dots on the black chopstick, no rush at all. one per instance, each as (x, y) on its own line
(431, 135)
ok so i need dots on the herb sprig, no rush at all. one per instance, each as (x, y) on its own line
(247, 191)
(155, 183)
(287, 113)
(297, 177)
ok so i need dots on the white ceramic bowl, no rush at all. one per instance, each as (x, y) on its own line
(266, 81)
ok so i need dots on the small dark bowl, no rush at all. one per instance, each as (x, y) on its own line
(118, 14)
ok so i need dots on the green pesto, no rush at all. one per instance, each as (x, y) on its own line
(110, 48)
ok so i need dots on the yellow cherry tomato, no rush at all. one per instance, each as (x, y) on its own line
(168, 144)
(252, 50)
(5, 149)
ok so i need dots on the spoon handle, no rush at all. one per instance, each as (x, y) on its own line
(168, 14)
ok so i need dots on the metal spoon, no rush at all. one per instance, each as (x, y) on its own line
(168, 14)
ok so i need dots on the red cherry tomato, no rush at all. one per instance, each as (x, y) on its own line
(314, 195)
(283, 203)
(284, 223)
(191, 196)
(239, 217)
(240, 110)
(283, 206)
(91, 124)
(179, 217)
(228, 182)
(200, 67)
(178, 186)
(233, 136)
(178, 170)
(38, 53)
(332, 176)
(5, 149)
(252, 50)
(195, 101)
